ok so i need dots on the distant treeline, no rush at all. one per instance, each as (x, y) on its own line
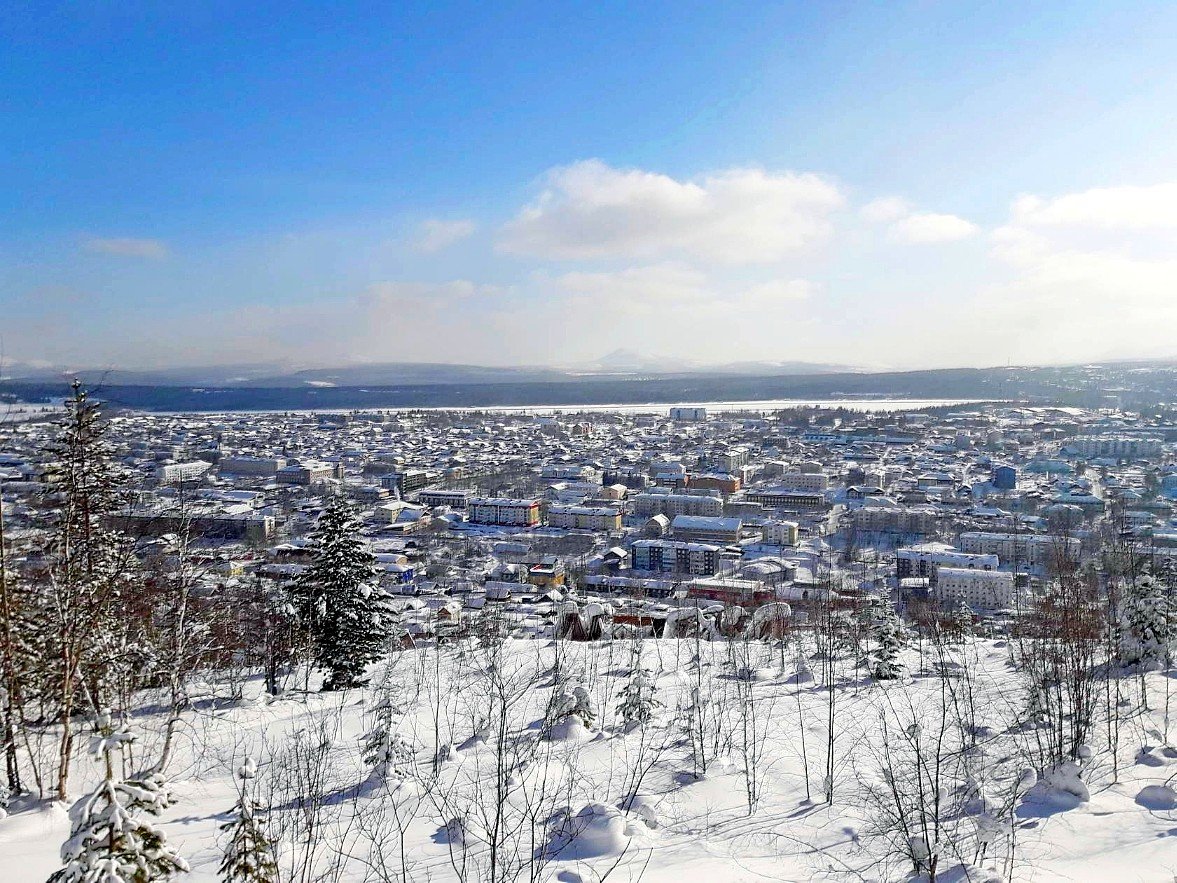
(1070, 386)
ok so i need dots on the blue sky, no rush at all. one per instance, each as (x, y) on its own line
(879, 184)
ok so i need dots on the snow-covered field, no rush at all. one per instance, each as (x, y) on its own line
(503, 770)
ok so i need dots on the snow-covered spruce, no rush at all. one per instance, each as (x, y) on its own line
(110, 842)
(889, 640)
(346, 615)
(638, 703)
(249, 853)
(1148, 624)
(385, 750)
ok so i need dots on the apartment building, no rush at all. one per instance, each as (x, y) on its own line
(814, 482)
(926, 559)
(1130, 447)
(174, 473)
(453, 499)
(242, 465)
(786, 498)
(604, 518)
(983, 589)
(705, 529)
(676, 556)
(503, 511)
(647, 505)
(1030, 550)
(781, 533)
(305, 472)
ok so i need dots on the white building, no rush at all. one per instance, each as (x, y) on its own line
(1026, 550)
(174, 473)
(646, 505)
(1129, 447)
(814, 482)
(688, 415)
(781, 533)
(984, 589)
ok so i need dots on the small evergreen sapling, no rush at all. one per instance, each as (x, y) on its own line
(109, 841)
(387, 752)
(638, 703)
(249, 853)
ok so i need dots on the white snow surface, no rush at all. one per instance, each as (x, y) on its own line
(604, 801)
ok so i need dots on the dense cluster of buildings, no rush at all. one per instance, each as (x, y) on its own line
(974, 508)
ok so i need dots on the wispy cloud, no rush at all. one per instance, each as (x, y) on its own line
(434, 234)
(127, 247)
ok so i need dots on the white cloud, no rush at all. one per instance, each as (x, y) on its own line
(884, 209)
(434, 234)
(1086, 278)
(590, 210)
(1102, 208)
(927, 227)
(127, 247)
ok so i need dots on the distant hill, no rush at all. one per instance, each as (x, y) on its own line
(620, 363)
(1132, 384)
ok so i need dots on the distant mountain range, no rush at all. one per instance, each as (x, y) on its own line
(618, 365)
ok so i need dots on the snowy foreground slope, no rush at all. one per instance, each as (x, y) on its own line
(492, 773)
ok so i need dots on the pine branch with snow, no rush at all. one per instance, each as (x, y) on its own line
(110, 842)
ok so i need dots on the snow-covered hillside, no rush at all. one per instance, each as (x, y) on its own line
(660, 760)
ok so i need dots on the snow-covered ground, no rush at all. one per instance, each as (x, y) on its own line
(503, 784)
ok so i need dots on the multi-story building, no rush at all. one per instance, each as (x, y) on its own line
(786, 498)
(984, 589)
(646, 505)
(781, 533)
(724, 482)
(879, 516)
(174, 473)
(924, 560)
(584, 517)
(688, 415)
(674, 556)
(814, 482)
(503, 511)
(1131, 447)
(454, 499)
(570, 472)
(1030, 550)
(243, 465)
(706, 529)
(406, 481)
(305, 472)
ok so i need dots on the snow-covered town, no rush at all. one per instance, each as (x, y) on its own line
(410, 645)
(548, 442)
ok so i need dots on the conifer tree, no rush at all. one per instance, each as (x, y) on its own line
(339, 604)
(385, 750)
(249, 853)
(638, 703)
(1148, 624)
(888, 638)
(89, 575)
(110, 842)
